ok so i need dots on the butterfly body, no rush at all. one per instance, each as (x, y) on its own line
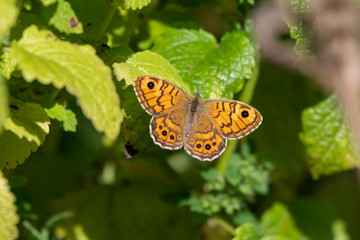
(201, 126)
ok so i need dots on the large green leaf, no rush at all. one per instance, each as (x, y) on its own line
(41, 55)
(65, 19)
(327, 139)
(216, 72)
(184, 48)
(8, 16)
(8, 216)
(26, 128)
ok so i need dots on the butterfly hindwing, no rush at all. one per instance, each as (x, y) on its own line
(167, 130)
(204, 141)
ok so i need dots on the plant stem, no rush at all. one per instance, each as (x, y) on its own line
(246, 96)
(105, 23)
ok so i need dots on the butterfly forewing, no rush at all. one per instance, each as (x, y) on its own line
(234, 119)
(156, 95)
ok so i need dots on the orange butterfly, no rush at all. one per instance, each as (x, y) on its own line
(202, 126)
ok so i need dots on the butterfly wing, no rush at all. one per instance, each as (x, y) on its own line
(233, 119)
(204, 141)
(157, 95)
(167, 130)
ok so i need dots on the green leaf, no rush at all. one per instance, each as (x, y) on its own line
(147, 63)
(40, 55)
(8, 15)
(327, 139)
(4, 106)
(246, 231)
(184, 48)
(7, 65)
(339, 231)
(135, 129)
(66, 116)
(47, 2)
(131, 4)
(65, 19)
(298, 27)
(26, 128)
(27, 120)
(216, 72)
(14, 150)
(277, 223)
(8, 217)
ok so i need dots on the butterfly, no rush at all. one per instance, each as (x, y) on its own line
(201, 126)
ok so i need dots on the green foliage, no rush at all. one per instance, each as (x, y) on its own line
(131, 4)
(147, 63)
(41, 55)
(275, 223)
(202, 64)
(65, 19)
(8, 216)
(230, 192)
(298, 29)
(62, 68)
(128, 215)
(339, 231)
(4, 111)
(325, 126)
(8, 15)
(60, 113)
(25, 130)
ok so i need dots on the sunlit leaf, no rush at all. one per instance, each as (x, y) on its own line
(8, 217)
(25, 130)
(8, 15)
(147, 63)
(7, 65)
(66, 116)
(65, 19)
(41, 55)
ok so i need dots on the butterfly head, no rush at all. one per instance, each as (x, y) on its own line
(197, 95)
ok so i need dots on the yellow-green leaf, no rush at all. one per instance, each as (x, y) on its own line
(8, 16)
(65, 19)
(41, 55)
(147, 63)
(4, 109)
(8, 216)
